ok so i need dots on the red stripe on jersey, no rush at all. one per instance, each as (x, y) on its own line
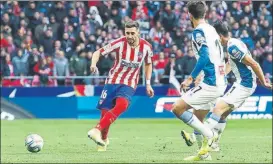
(113, 43)
(138, 60)
(137, 80)
(129, 69)
(120, 68)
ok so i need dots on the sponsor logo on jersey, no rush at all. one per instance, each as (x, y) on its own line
(199, 38)
(125, 63)
(236, 53)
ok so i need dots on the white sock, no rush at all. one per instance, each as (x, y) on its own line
(190, 119)
(212, 121)
(199, 138)
(219, 128)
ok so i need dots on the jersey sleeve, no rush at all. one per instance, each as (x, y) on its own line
(148, 57)
(199, 39)
(111, 47)
(236, 53)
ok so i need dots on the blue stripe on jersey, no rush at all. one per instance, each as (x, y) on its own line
(245, 74)
(202, 61)
(210, 76)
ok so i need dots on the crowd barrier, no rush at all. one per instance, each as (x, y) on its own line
(79, 102)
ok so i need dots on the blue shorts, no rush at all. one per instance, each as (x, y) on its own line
(111, 91)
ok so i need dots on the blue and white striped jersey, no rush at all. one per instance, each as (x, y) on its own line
(214, 70)
(244, 74)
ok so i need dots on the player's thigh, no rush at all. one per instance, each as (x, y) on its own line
(221, 107)
(200, 114)
(107, 96)
(125, 92)
(237, 95)
(199, 97)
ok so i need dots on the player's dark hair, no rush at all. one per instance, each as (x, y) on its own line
(131, 24)
(221, 28)
(197, 9)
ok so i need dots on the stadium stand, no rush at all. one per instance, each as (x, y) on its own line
(51, 43)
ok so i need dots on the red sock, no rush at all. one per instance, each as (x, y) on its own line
(113, 114)
(104, 132)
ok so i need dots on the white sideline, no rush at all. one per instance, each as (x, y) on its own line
(176, 138)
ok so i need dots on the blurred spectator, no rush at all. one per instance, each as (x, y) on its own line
(40, 29)
(8, 69)
(61, 67)
(188, 63)
(59, 11)
(67, 45)
(169, 66)
(47, 42)
(54, 26)
(78, 66)
(159, 67)
(33, 59)
(20, 63)
(267, 65)
(247, 40)
(44, 71)
(168, 18)
(106, 63)
(95, 15)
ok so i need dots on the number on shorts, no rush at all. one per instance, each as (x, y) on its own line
(199, 88)
(104, 94)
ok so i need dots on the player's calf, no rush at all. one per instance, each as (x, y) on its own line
(179, 107)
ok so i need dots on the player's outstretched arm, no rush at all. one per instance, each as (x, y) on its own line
(257, 69)
(201, 63)
(95, 59)
(148, 75)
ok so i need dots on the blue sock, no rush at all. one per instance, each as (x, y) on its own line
(215, 117)
(196, 132)
(222, 121)
(186, 117)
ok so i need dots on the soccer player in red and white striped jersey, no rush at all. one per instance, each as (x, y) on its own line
(131, 52)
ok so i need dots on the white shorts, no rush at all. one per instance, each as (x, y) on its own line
(202, 96)
(237, 95)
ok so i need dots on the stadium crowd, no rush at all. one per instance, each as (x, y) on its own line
(43, 39)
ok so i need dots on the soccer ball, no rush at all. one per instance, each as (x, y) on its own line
(34, 143)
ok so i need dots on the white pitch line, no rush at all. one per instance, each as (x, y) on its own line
(179, 138)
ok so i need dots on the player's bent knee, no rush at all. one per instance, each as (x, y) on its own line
(179, 107)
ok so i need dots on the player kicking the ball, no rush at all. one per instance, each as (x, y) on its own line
(246, 71)
(122, 80)
(208, 49)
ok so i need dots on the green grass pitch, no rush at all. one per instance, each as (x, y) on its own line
(131, 141)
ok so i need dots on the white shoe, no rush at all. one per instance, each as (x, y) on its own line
(103, 148)
(95, 135)
(214, 147)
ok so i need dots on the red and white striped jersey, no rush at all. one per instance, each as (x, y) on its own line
(128, 61)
